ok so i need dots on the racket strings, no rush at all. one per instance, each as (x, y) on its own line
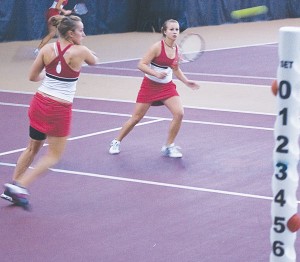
(80, 9)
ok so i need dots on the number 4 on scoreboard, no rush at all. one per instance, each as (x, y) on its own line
(279, 198)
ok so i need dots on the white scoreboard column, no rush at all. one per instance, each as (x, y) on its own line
(286, 151)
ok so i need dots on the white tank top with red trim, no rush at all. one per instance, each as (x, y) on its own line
(60, 80)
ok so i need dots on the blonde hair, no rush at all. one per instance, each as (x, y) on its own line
(165, 25)
(65, 24)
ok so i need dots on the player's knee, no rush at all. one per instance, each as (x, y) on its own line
(178, 115)
(53, 159)
(34, 147)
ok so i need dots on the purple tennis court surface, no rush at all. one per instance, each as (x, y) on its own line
(211, 205)
(247, 65)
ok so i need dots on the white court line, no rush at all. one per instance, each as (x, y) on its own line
(184, 120)
(160, 118)
(153, 183)
(188, 107)
(13, 104)
(186, 73)
(264, 45)
(112, 130)
(154, 120)
(133, 101)
(84, 136)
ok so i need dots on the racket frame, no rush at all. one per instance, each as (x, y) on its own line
(199, 53)
(82, 9)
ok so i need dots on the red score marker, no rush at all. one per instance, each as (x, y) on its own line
(293, 223)
(274, 87)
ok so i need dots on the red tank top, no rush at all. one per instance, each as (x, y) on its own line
(59, 67)
(163, 60)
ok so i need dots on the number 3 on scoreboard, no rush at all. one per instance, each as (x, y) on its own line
(282, 168)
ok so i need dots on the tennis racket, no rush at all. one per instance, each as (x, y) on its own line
(80, 9)
(191, 47)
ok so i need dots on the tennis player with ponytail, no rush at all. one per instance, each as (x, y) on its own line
(158, 64)
(58, 66)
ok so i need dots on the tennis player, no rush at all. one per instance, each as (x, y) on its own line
(57, 8)
(157, 88)
(58, 65)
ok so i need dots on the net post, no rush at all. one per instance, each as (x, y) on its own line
(286, 151)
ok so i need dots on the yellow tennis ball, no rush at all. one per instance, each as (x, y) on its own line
(248, 12)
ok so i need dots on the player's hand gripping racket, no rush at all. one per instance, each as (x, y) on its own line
(191, 47)
(80, 9)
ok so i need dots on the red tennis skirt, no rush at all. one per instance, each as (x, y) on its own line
(51, 12)
(50, 117)
(151, 92)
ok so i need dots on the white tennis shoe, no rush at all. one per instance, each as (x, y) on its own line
(16, 194)
(36, 52)
(114, 147)
(171, 151)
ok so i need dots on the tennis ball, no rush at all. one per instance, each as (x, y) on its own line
(248, 12)
(274, 87)
(293, 223)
